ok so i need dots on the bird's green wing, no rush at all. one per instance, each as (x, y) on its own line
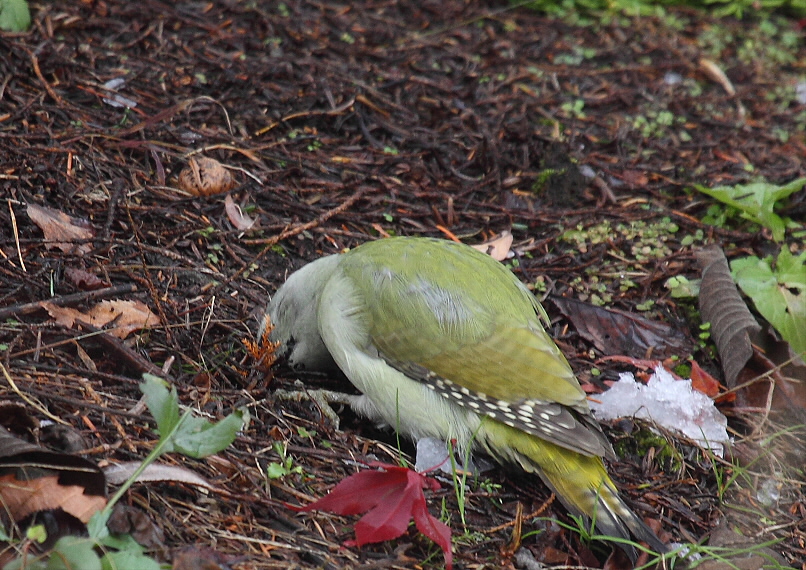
(459, 321)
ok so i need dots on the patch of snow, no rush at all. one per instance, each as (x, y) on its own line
(672, 404)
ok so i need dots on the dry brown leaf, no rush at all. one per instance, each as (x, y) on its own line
(204, 177)
(61, 230)
(715, 73)
(498, 247)
(84, 280)
(236, 216)
(620, 332)
(21, 498)
(131, 520)
(732, 324)
(118, 473)
(128, 316)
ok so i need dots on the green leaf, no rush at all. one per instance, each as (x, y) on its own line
(121, 542)
(779, 294)
(128, 560)
(198, 438)
(756, 201)
(14, 15)
(96, 528)
(74, 553)
(681, 288)
(189, 434)
(162, 404)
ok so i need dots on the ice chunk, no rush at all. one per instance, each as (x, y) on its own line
(672, 404)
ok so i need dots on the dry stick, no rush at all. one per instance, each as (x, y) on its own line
(291, 232)
(36, 405)
(67, 300)
(16, 235)
(127, 354)
(45, 84)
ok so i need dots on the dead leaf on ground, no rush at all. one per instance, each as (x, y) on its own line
(202, 558)
(33, 479)
(118, 473)
(16, 418)
(752, 358)
(618, 332)
(131, 520)
(61, 230)
(205, 176)
(236, 215)
(732, 325)
(84, 280)
(498, 247)
(128, 316)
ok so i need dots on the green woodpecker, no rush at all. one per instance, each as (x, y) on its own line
(443, 341)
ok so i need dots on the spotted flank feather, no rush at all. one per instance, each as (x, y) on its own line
(547, 420)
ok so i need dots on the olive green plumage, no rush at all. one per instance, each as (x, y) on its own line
(443, 341)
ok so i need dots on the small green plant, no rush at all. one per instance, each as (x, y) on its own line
(284, 467)
(705, 334)
(206, 232)
(682, 288)
(184, 433)
(778, 290)
(756, 202)
(574, 108)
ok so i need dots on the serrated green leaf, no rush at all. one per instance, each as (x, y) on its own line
(14, 15)
(757, 201)
(779, 294)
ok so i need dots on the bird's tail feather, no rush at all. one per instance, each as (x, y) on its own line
(580, 482)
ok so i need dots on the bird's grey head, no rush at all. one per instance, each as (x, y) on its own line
(294, 313)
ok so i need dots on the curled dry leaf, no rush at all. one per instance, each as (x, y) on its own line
(118, 473)
(715, 73)
(128, 316)
(236, 216)
(61, 231)
(498, 247)
(732, 323)
(204, 177)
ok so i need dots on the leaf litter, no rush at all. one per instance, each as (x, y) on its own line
(397, 132)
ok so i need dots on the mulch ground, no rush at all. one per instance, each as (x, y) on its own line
(341, 123)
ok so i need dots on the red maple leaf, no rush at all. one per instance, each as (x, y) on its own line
(393, 496)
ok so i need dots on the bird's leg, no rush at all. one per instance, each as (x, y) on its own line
(322, 398)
